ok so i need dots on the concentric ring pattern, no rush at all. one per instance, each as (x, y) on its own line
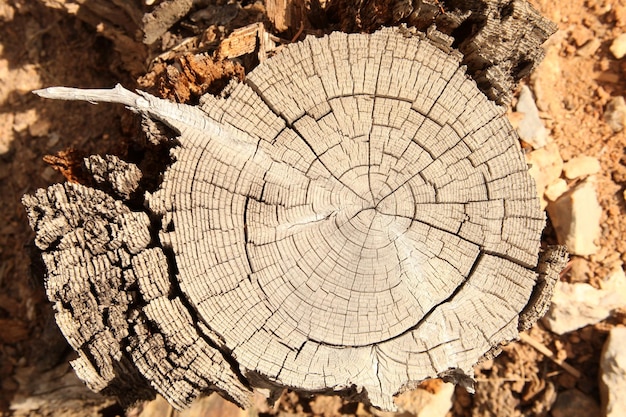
(362, 216)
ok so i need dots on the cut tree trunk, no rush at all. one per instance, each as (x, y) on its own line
(354, 217)
(500, 39)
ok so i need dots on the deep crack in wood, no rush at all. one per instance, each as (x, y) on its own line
(356, 215)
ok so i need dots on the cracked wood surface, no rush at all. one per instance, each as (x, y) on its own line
(355, 215)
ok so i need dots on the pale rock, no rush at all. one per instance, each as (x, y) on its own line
(576, 218)
(613, 374)
(579, 305)
(427, 403)
(6, 131)
(40, 127)
(48, 174)
(580, 167)
(556, 189)
(581, 35)
(530, 128)
(25, 78)
(545, 167)
(548, 77)
(619, 12)
(589, 49)
(579, 270)
(615, 114)
(618, 46)
(573, 403)
(24, 119)
(7, 12)
(211, 405)
(53, 139)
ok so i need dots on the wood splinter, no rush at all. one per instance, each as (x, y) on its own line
(357, 224)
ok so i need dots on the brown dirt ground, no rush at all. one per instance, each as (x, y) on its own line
(40, 46)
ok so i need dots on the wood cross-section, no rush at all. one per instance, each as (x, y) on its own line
(355, 214)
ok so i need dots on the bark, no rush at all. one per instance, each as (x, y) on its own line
(358, 223)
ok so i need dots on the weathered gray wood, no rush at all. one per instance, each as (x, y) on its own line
(110, 287)
(123, 177)
(357, 214)
(551, 262)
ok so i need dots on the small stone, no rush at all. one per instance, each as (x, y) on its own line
(6, 131)
(589, 49)
(530, 128)
(579, 270)
(53, 140)
(618, 47)
(556, 189)
(576, 218)
(573, 403)
(613, 373)
(579, 305)
(434, 400)
(620, 15)
(24, 119)
(7, 12)
(39, 127)
(580, 167)
(548, 75)
(543, 401)
(545, 167)
(48, 174)
(326, 405)
(581, 35)
(615, 114)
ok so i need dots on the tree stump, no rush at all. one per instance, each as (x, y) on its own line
(354, 217)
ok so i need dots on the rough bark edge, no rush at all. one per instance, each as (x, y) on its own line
(98, 255)
(551, 262)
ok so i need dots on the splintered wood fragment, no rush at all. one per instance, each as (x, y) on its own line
(279, 12)
(246, 40)
(356, 216)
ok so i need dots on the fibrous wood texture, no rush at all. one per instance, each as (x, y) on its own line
(500, 39)
(356, 215)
